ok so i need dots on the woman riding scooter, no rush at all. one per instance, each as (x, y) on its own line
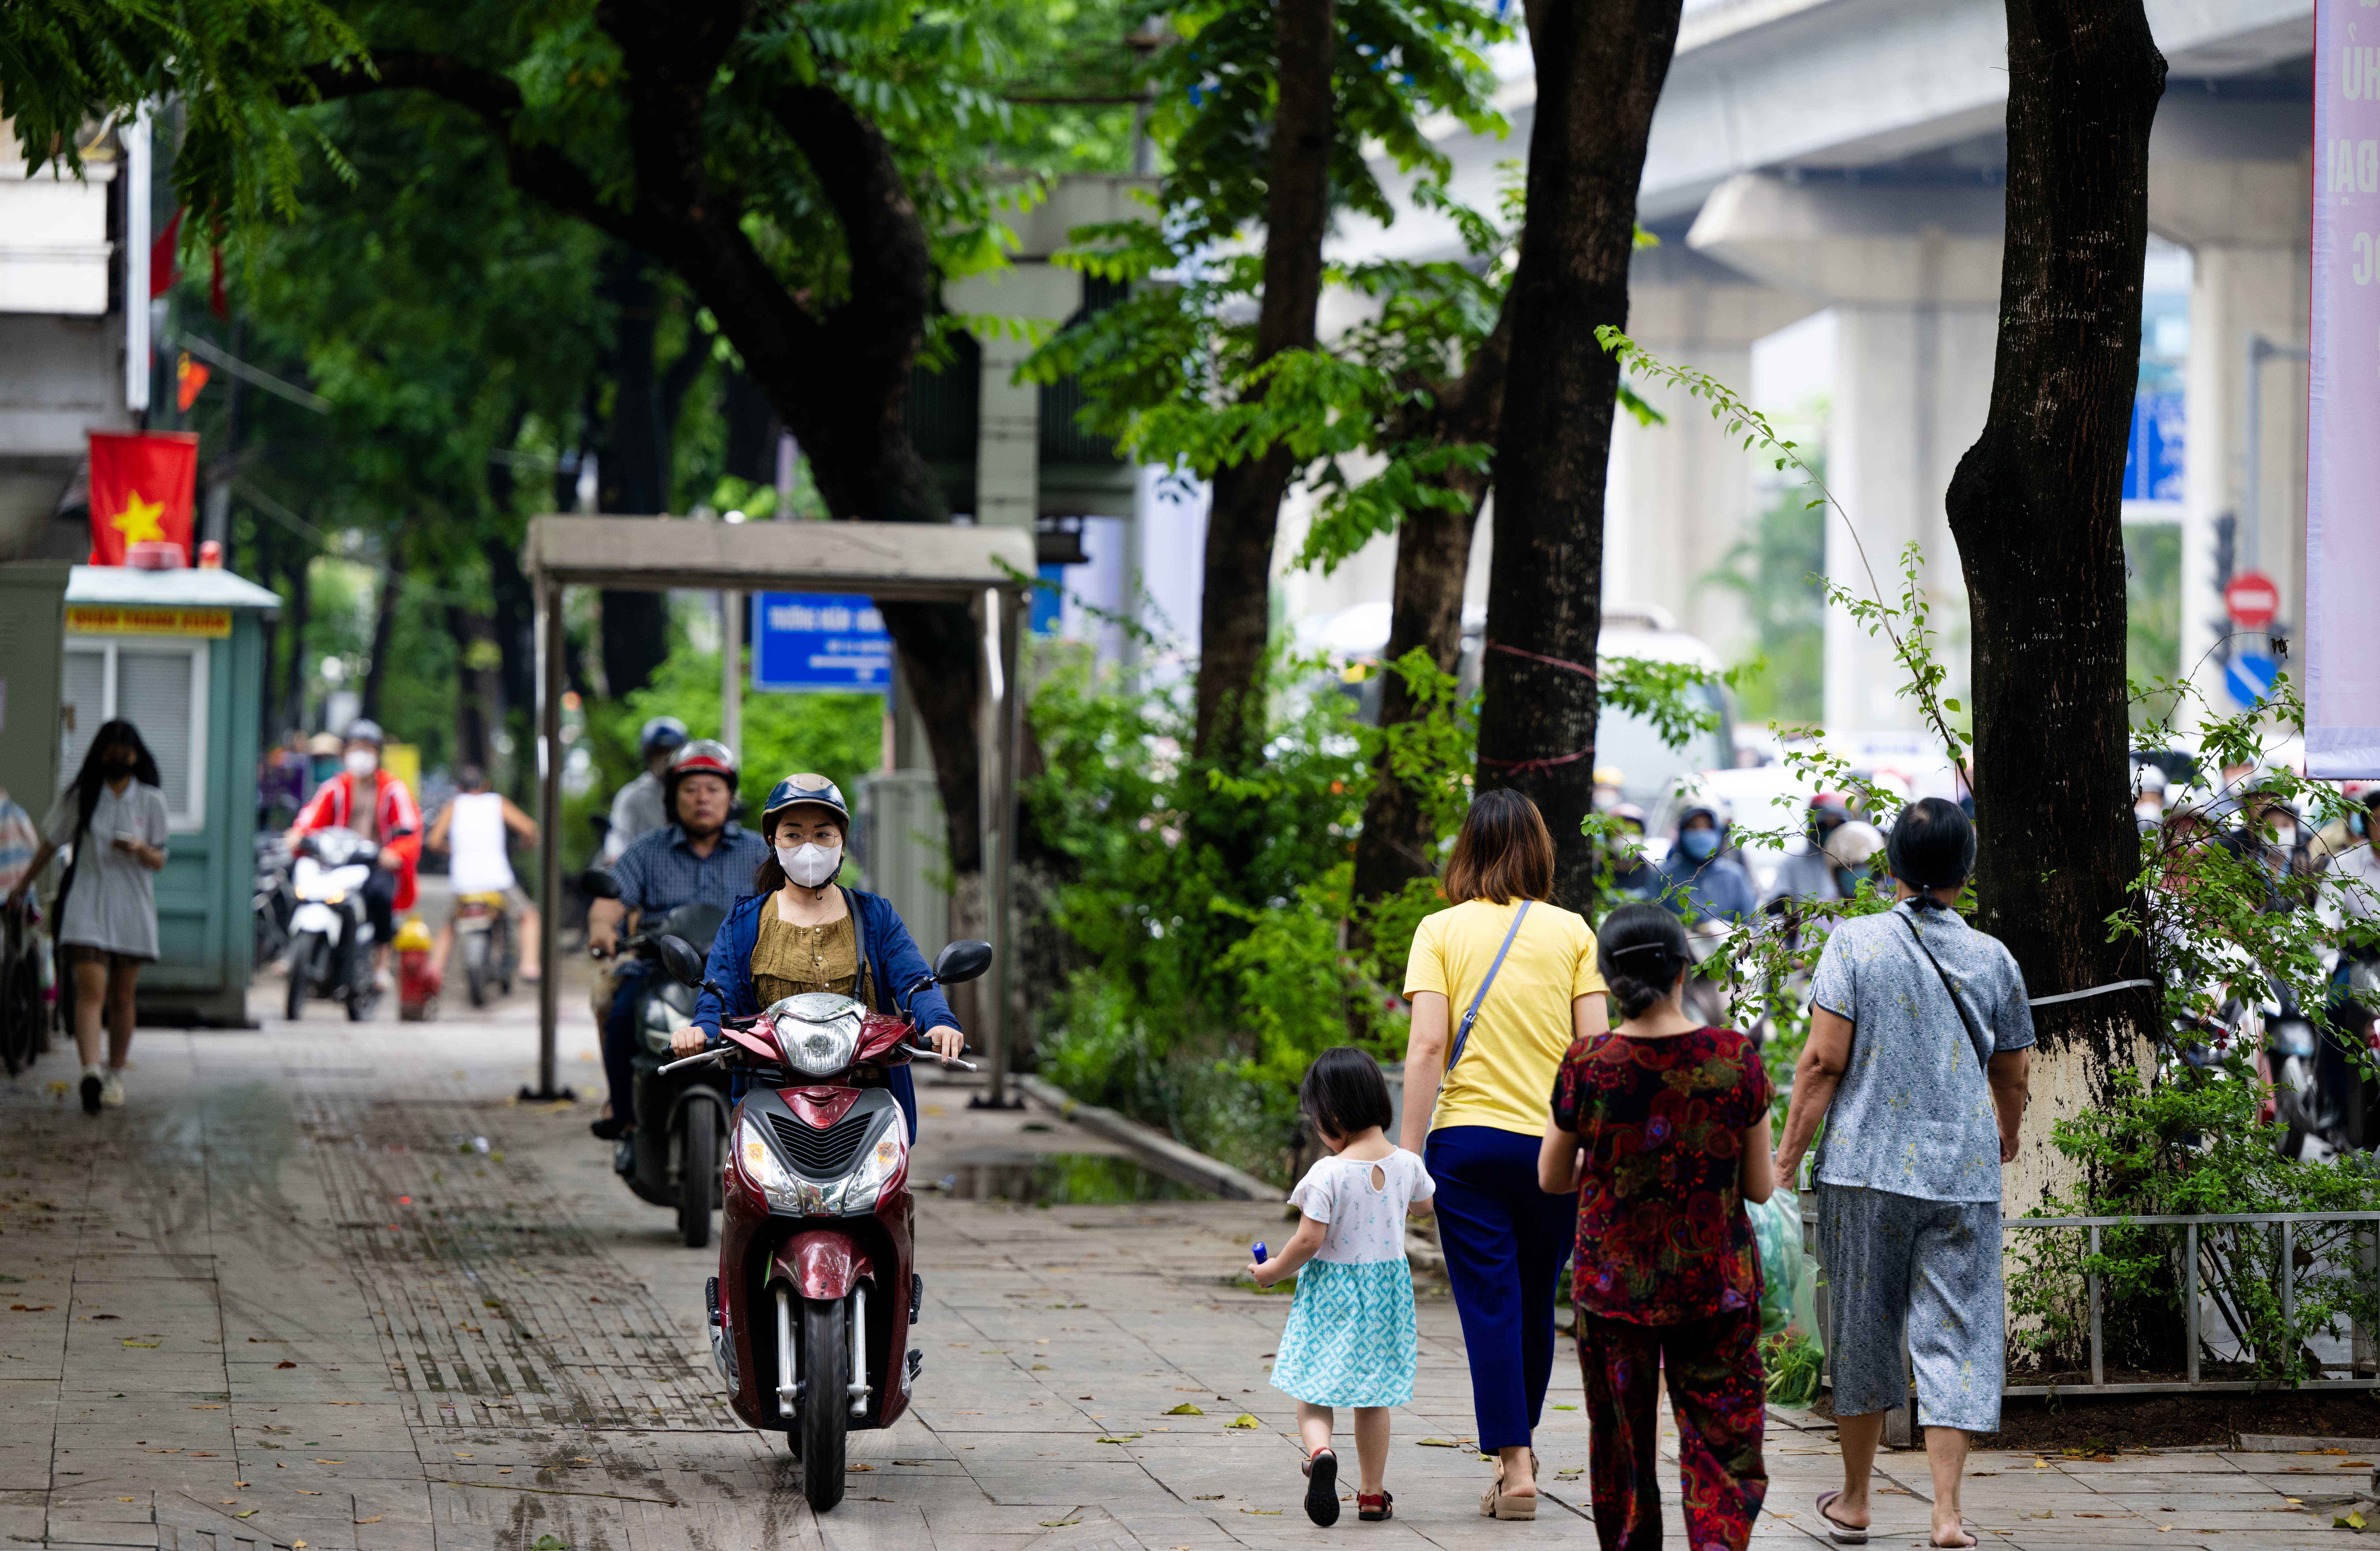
(801, 933)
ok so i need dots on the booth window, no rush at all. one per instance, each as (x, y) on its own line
(159, 687)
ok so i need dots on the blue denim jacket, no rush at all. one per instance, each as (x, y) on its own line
(889, 960)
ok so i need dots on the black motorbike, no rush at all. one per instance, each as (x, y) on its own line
(672, 1158)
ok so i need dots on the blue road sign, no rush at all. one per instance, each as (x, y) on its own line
(2249, 676)
(820, 641)
(2153, 458)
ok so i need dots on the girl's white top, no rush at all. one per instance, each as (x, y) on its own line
(1366, 1219)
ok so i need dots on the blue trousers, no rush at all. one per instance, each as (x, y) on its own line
(620, 1037)
(1506, 1242)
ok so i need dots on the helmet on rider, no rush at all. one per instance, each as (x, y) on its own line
(1829, 812)
(364, 730)
(662, 735)
(796, 791)
(704, 756)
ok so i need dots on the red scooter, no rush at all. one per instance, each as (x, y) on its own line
(816, 1292)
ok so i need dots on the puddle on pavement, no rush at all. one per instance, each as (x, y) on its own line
(1062, 1180)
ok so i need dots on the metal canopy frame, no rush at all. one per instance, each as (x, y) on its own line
(990, 569)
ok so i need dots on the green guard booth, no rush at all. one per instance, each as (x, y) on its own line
(181, 654)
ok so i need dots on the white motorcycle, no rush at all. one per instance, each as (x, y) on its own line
(330, 937)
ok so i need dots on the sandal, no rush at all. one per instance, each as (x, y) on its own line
(1372, 1509)
(1494, 1504)
(1837, 1531)
(1321, 1469)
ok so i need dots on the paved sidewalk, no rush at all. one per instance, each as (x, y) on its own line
(325, 1287)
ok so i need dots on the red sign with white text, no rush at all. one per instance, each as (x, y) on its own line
(2252, 600)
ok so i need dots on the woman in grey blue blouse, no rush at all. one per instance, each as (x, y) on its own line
(1918, 1059)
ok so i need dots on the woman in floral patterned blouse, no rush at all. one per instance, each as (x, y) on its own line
(1662, 1128)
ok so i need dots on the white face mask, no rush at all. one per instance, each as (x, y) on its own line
(2284, 836)
(362, 763)
(807, 864)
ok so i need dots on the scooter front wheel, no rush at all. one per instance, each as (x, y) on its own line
(301, 971)
(826, 1407)
(698, 1174)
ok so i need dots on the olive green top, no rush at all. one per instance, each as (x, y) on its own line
(789, 960)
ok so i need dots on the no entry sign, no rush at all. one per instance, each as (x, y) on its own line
(2252, 600)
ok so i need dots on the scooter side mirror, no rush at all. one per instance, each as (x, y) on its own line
(678, 958)
(597, 882)
(962, 960)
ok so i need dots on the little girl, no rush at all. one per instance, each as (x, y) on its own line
(1350, 1340)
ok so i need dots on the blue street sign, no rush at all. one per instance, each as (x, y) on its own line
(2249, 677)
(820, 641)
(2153, 458)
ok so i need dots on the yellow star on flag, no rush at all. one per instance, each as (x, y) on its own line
(138, 520)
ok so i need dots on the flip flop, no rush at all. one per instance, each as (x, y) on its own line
(1837, 1531)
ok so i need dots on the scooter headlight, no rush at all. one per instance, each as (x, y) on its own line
(819, 1050)
(877, 1167)
(783, 1189)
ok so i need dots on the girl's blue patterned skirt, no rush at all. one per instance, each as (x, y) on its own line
(1350, 1340)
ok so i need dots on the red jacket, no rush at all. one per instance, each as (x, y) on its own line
(398, 819)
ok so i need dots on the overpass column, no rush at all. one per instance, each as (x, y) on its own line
(1913, 273)
(1682, 494)
(2245, 223)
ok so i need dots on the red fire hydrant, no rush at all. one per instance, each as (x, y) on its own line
(417, 977)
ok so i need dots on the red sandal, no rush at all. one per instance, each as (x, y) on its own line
(1373, 1507)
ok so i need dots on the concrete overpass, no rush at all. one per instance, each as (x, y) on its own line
(1849, 155)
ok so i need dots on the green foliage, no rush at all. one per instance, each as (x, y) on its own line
(1199, 993)
(1793, 1364)
(2153, 610)
(2195, 1145)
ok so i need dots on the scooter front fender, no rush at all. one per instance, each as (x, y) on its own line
(821, 1263)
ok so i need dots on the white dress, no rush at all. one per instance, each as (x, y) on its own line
(113, 901)
(1350, 1340)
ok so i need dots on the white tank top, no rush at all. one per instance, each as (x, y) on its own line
(475, 844)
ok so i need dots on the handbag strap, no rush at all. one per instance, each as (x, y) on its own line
(1463, 1035)
(1974, 1035)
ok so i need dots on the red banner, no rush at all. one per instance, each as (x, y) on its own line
(142, 489)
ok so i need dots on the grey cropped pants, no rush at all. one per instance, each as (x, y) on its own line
(1900, 1266)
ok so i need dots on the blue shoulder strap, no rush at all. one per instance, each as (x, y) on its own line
(1463, 1035)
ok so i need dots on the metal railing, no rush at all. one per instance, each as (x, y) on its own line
(2288, 1222)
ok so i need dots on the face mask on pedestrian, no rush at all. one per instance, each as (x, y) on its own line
(1700, 844)
(2284, 836)
(1624, 845)
(809, 865)
(2149, 813)
(362, 763)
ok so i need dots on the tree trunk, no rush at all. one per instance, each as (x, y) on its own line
(633, 468)
(479, 699)
(1235, 604)
(1396, 844)
(751, 451)
(2036, 506)
(1600, 65)
(383, 640)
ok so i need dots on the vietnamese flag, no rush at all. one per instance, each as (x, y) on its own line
(142, 485)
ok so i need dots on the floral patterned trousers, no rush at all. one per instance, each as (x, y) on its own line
(1720, 1398)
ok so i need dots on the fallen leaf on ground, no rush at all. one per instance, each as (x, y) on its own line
(1565, 1408)
(1436, 1443)
(250, 1513)
(1243, 1420)
(859, 1467)
(1185, 1409)
(1060, 1523)
(284, 1363)
(130, 1343)
(303, 1492)
(1125, 1437)
(1216, 1499)
(1266, 1512)
(373, 1520)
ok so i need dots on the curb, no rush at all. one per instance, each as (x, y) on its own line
(1187, 1163)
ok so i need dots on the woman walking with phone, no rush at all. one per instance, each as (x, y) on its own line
(1501, 982)
(113, 816)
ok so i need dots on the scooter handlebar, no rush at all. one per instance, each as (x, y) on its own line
(946, 1060)
(716, 1053)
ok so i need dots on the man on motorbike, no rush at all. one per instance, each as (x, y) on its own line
(1698, 882)
(638, 808)
(475, 829)
(1809, 875)
(376, 805)
(801, 933)
(701, 858)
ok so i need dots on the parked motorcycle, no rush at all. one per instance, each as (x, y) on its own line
(672, 1158)
(330, 937)
(488, 938)
(817, 1288)
(272, 900)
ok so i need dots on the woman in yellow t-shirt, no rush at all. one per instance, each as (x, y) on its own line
(1505, 1240)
